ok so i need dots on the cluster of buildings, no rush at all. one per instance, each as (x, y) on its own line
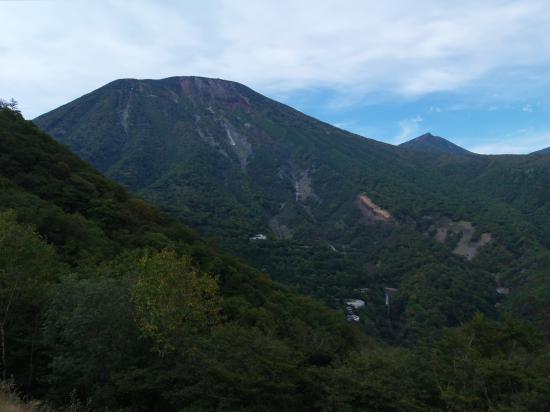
(354, 305)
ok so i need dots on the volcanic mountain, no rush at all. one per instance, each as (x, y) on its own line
(322, 209)
(433, 144)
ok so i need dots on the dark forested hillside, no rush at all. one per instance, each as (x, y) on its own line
(107, 304)
(102, 295)
(330, 213)
(517, 185)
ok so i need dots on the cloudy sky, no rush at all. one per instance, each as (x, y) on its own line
(475, 72)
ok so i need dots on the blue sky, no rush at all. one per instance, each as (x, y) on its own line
(519, 126)
(475, 72)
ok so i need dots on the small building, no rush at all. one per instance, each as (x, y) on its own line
(502, 290)
(259, 236)
(356, 303)
(353, 318)
(389, 294)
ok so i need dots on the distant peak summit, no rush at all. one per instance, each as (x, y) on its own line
(433, 144)
(203, 92)
(220, 90)
(197, 82)
(542, 151)
(428, 135)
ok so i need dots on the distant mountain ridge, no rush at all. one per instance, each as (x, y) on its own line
(337, 213)
(433, 144)
(542, 151)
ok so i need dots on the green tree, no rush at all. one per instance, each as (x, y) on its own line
(11, 104)
(91, 339)
(27, 264)
(377, 379)
(172, 299)
(493, 366)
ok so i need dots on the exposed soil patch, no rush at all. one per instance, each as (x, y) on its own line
(441, 234)
(301, 181)
(302, 186)
(465, 246)
(371, 211)
(469, 249)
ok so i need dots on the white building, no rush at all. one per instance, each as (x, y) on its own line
(356, 303)
(259, 236)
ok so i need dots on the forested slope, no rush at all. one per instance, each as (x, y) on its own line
(102, 295)
(341, 214)
(117, 307)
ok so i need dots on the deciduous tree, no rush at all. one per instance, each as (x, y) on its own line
(173, 299)
(27, 263)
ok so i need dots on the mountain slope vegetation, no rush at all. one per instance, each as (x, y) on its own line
(340, 214)
(80, 259)
(118, 307)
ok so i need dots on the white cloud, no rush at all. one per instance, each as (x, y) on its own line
(408, 129)
(519, 142)
(59, 50)
(448, 108)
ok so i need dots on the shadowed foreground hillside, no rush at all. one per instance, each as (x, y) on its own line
(99, 290)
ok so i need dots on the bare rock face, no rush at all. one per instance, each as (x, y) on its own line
(211, 92)
(239, 143)
(371, 211)
(465, 246)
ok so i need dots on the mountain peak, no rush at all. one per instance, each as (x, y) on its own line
(542, 152)
(223, 91)
(203, 91)
(433, 144)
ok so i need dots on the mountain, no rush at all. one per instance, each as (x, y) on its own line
(108, 303)
(77, 248)
(433, 144)
(327, 212)
(542, 151)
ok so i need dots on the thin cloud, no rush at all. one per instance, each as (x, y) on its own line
(401, 49)
(408, 129)
(519, 142)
